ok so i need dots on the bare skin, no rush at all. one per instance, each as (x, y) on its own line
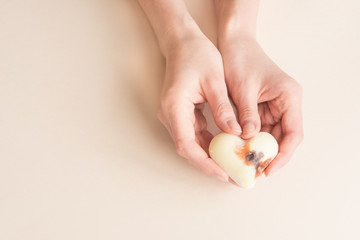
(198, 72)
(266, 97)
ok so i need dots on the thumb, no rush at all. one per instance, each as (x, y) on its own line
(221, 108)
(248, 114)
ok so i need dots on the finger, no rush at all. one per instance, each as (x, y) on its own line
(266, 128)
(246, 102)
(292, 129)
(203, 136)
(266, 118)
(223, 113)
(200, 106)
(181, 120)
(277, 132)
(200, 120)
(233, 182)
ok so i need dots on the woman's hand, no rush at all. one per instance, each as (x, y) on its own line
(267, 99)
(195, 75)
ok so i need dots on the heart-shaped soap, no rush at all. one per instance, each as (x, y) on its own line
(243, 160)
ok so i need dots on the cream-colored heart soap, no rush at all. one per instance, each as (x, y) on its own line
(243, 160)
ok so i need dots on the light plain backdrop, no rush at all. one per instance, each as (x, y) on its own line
(82, 155)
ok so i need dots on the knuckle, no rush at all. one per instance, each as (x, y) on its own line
(246, 112)
(215, 77)
(297, 89)
(293, 88)
(223, 109)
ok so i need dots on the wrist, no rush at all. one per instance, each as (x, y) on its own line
(230, 33)
(236, 20)
(177, 33)
(171, 22)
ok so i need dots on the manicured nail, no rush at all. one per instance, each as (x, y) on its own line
(222, 177)
(234, 125)
(249, 128)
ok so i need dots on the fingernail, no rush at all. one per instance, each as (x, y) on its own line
(234, 125)
(249, 128)
(222, 177)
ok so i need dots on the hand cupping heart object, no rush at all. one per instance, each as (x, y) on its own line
(243, 160)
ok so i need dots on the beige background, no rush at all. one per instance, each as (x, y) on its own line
(82, 155)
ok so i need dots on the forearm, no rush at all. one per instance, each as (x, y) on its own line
(170, 21)
(236, 18)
